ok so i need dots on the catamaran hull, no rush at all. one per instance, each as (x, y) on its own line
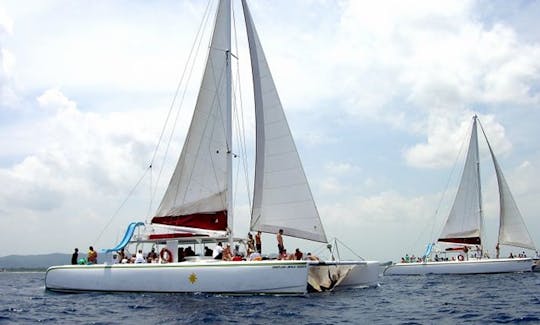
(337, 275)
(502, 265)
(363, 274)
(272, 277)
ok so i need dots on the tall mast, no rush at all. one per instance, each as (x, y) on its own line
(228, 80)
(479, 181)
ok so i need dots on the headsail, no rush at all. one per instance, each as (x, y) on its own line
(199, 188)
(282, 198)
(512, 229)
(465, 219)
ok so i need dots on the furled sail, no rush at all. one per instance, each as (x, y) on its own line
(512, 229)
(197, 193)
(282, 198)
(463, 224)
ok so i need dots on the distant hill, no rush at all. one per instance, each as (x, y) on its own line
(19, 262)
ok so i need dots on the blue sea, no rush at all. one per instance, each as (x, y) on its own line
(433, 299)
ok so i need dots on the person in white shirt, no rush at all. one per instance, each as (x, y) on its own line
(139, 258)
(217, 253)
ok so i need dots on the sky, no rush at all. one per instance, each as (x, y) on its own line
(379, 97)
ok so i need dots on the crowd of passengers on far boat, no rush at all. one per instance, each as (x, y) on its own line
(252, 251)
(465, 255)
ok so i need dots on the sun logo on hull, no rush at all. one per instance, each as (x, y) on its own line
(192, 278)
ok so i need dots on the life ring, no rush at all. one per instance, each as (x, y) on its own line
(460, 257)
(166, 255)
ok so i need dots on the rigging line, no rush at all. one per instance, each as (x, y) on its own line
(121, 205)
(347, 247)
(191, 58)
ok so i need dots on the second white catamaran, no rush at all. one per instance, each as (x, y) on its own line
(463, 228)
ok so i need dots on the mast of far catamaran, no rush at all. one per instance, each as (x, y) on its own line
(480, 210)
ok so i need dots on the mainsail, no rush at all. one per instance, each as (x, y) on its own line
(282, 198)
(465, 219)
(512, 229)
(197, 195)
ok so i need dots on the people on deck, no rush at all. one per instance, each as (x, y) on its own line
(236, 251)
(310, 257)
(139, 257)
(258, 242)
(91, 256)
(227, 254)
(255, 256)
(279, 238)
(298, 254)
(121, 257)
(181, 254)
(250, 244)
(189, 251)
(152, 257)
(207, 251)
(217, 253)
(75, 257)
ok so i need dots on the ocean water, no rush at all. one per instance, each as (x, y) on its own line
(432, 299)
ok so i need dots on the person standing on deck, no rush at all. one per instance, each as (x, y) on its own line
(75, 257)
(258, 242)
(92, 256)
(279, 238)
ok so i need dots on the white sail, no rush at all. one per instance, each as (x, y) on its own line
(282, 198)
(512, 229)
(465, 219)
(200, 182)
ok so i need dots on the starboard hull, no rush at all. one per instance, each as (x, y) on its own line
(502, 265)
(338, 275)
(262, 277)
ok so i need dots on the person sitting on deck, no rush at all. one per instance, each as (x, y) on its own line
(227, 254)
(139, 258)
(152, 257)
(310, 257)
(189, 251)
(121, 257)
(207, 251)
(255, 256)
(92, 256)
(217, 253)
(298, 254)
(181, 254)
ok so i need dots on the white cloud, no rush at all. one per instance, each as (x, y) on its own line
(447, 137)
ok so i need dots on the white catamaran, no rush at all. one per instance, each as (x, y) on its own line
(463, 228)
(197, 206)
